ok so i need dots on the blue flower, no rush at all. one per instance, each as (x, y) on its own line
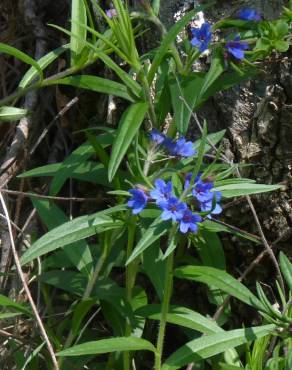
(248, 14)
(162, 191)
(183, 148)
(202, 190)
(138, 200)
(172, 209)
(189, 221)
(202, 36)
(157, 136)
(169, 144)
(213, 207)
(236, 48)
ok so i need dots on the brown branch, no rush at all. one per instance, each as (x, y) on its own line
(40, 196)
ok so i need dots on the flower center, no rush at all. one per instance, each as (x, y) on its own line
(187, 218)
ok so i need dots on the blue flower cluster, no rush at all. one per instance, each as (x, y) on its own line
(202, 36)
(179, 148)
(173, 208)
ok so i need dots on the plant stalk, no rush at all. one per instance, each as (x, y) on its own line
(164, 309)
(131, 272)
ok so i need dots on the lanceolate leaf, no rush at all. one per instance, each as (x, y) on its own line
(7, 302)
(107, 346)
(70, 232)
(79, 254)
(211, 345)
(21, 56)
(128, 127)
(184, 96)
(181, 316)
(97, 84)
(154, 232)
(236, 190)
(11, 114)
(78, 17)
(216, 69)
(220, 279)
(43, 62)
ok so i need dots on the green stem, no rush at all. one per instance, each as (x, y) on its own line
(131, 272)
(165, 307)
(90, 286)
(190, 62)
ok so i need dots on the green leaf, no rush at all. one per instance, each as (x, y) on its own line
(134, 87)
(75, 283)
(224, 366)
(216, 69)
(7, 302)
(8, 315)
(154, 267)
(211, 345)
(281, 28)
(33, 354)
(210, 249)
(213, 138)
(184, 96)
(78, 253)
(108, 345)
(286, 268)
(89, 171)
(263, 44)
(281, 45)
(97, 84)
(128, 80)
(70, 232)
(80, 312)
(211, 252)
(129, 125)
(181, 316)
(76, 163)
(156, 6)
(153, 233)
(237, 190)
(8, 114)
(220, 279)
(43, 62)
(79, 32)
(21, 56)
(227, 80)
(215, 227)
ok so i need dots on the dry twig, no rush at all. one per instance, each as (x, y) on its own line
(25, 286)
